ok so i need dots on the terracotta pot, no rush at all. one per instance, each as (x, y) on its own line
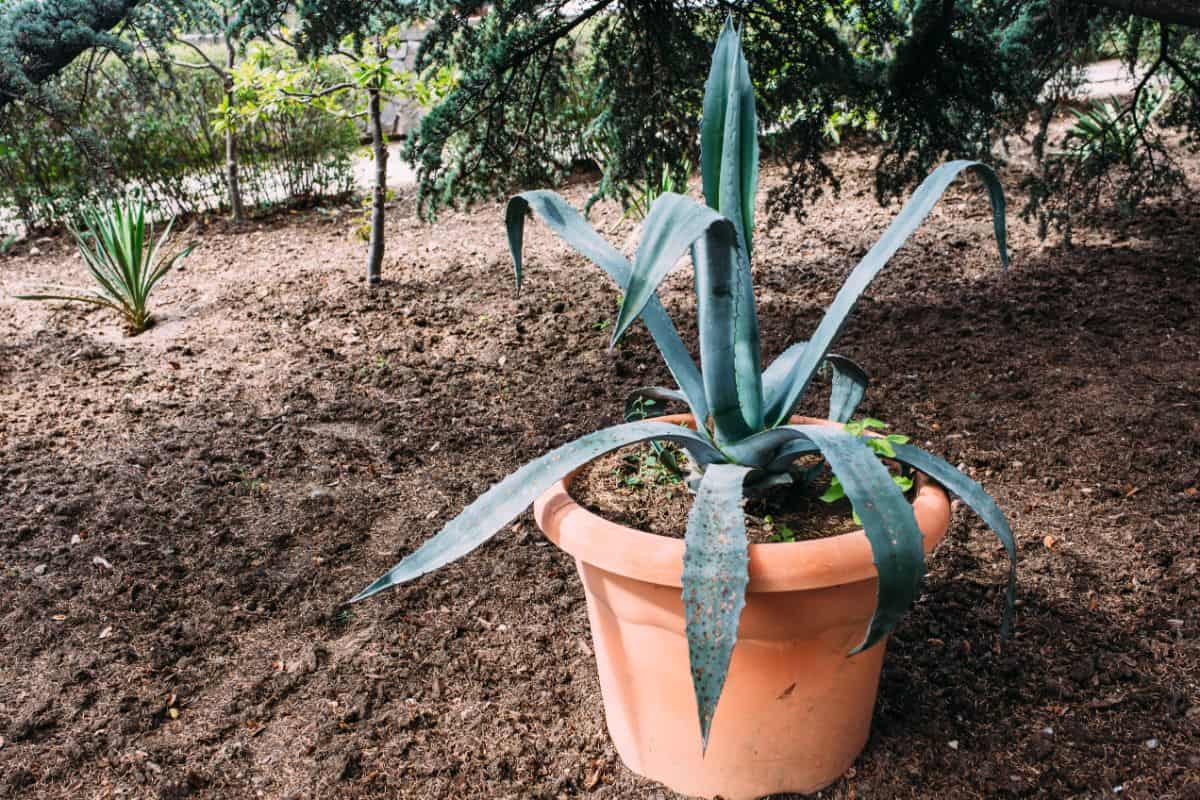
(795, 711)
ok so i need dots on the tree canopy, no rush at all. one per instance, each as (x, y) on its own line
(544, 84)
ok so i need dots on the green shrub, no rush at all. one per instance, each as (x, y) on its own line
(115, 128)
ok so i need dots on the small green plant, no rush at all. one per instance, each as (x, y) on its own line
(124, 259)
(883, 447)
(744, 440)
(673, 179)
(779, 531)
(249, 484)
(657, 467)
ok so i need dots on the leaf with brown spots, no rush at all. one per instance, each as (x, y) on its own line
(715, 574)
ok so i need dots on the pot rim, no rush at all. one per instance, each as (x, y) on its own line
(774, 566)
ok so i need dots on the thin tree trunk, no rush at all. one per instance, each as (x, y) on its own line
(231, 149)
(378, 191)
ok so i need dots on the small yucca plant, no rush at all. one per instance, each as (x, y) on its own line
(1107, 130)
(743, 439)
(123, 258)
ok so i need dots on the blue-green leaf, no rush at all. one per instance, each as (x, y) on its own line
(715, 575)
(778, 371)
(897, 545)
(728, 325)
(980, 502)
(785, 455)
(729, 340)
(576, 232)
(801, 364)
(728, 330)
(849, 386)
(505, 501)
(729, 136)
(849, 381)
(675, 221)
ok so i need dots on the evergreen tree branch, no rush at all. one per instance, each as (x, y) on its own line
(1171, 12)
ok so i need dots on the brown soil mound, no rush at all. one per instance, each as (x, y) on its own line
(183, 513)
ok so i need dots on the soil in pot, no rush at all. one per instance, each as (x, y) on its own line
(632, 487)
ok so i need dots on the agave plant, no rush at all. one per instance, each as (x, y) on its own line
(744, 439)
(124, 259)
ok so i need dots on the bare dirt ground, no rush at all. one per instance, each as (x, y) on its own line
(182, 513)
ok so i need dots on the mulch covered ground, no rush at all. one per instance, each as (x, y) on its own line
(182, 513)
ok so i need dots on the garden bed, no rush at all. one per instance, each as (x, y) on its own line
(182, 513)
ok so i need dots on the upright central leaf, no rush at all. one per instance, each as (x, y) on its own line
(729, 137)
(722, 352)
(729, 170)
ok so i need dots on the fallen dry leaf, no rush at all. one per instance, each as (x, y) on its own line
(593, 777)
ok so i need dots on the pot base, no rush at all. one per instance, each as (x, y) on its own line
(793, 716)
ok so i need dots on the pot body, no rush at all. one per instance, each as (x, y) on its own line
(795, 711)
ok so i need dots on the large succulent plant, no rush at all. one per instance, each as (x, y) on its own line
(747, 441)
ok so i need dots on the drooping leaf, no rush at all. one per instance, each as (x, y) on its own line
(506, 500)
(979, 501)
(802, 363)
(849, 386)
(74, 298)
(564, 220)
(715, 575)
(675, 221)
(897, 545)
(788, 453)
